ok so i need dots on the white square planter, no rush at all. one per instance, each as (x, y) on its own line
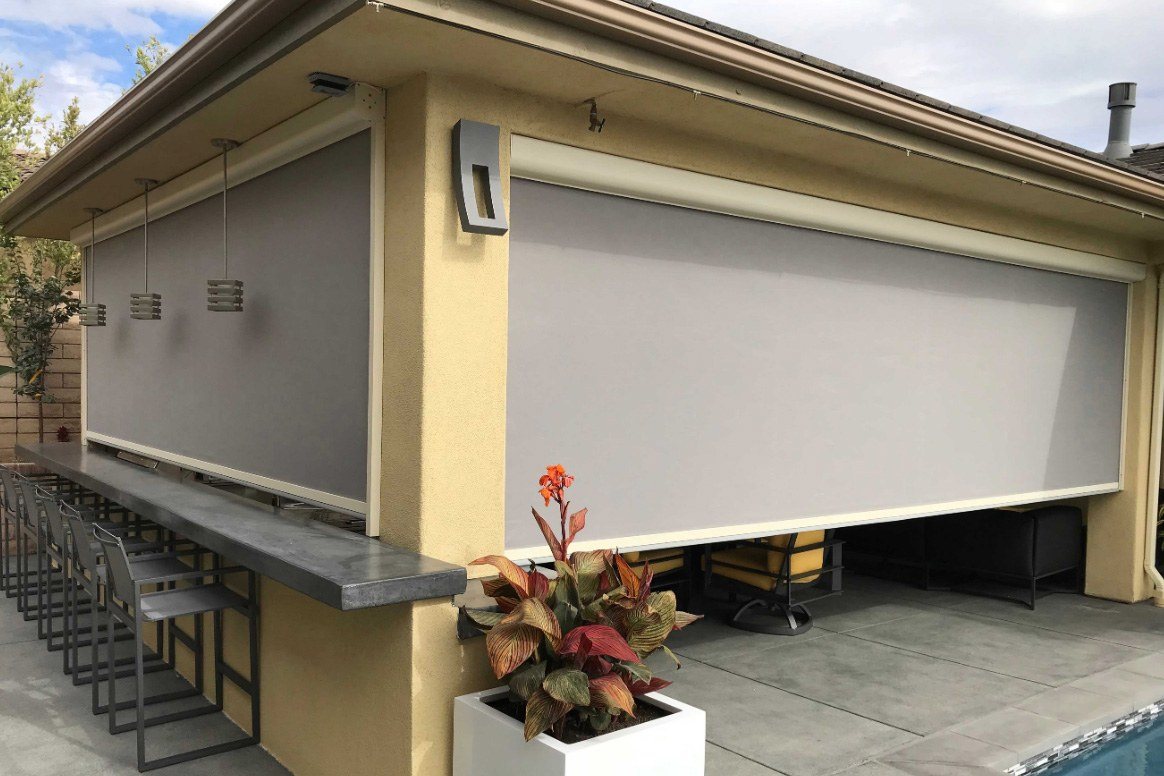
(488, 742)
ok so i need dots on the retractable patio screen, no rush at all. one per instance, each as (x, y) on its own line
(278, 391)
(707, 376)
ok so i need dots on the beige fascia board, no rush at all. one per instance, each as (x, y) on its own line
(317, 127)
(653, 32)
(242, 39)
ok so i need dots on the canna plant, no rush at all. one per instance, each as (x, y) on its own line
(572, 647)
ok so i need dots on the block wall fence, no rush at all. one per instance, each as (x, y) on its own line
(19, 419)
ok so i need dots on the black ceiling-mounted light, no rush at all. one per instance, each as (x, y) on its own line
(146, 306)
(91, 313)
(224, 294)
(329, 84)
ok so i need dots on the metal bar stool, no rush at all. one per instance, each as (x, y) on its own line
(62, 551)
(8, 576)
(15, 571)
(31, 550)
(89, 575)
(138, 608)
(43, 511)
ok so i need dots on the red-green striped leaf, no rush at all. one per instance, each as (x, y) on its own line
(510, 571)
(591, 640)
(485, 618)
(577, 523)
(509, 644)
(527, 680)
(568, 685)
(551, 539)
(611, 692)
(534, 613)
(642, 688)
(542, 711)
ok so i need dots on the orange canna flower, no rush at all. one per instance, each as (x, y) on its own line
(553, 482)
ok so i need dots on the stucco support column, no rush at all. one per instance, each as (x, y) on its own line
(444, 405)
(1116, 522)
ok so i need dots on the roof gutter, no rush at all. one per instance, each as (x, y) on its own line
(706, 48)
(244, 37)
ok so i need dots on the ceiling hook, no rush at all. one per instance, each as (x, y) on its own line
(596, 122)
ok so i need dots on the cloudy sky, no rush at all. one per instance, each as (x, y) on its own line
(1041, 64)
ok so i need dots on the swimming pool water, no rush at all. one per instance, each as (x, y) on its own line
(1140, 753)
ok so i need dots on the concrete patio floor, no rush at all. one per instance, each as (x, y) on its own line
(46, 727)
(892, 680)
(896, 680)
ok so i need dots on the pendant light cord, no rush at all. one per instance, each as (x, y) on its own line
(146, 241)
(225, 244)
(91, 274)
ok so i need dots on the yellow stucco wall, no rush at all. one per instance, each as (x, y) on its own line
(444, 433)
(370, 692)
(1115, 523)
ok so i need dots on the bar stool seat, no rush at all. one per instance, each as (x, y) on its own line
(146, 566)
(132, 544)
(182, 602)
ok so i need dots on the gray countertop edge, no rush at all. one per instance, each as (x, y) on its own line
(448, 582)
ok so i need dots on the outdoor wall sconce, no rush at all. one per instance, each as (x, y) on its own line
(91, 313)
(224, 294)
(146, 306)
(477, 177)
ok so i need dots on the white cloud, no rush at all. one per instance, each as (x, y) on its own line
(78, 49)
(1040, 64)
(82, 74)
(133, 18)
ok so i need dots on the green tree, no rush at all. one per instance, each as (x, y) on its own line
(57, 134)
(36, 275)
(18, 122)
(148, 56)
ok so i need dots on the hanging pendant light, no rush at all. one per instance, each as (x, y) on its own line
(224, 294)
(91, 313)
(146, 306)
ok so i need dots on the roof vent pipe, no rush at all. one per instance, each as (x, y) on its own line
(1121, 99)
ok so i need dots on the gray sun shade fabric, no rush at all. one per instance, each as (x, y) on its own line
(279, 390)
(707, 376)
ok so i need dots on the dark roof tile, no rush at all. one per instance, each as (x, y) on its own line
(1141, 164)
(1149, 157)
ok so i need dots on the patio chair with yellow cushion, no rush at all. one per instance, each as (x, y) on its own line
(781, 574)
(669, 569)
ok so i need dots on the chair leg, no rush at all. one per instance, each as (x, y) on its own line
(67, 617)
(96, 608)
(218, 659)
(110, 668)
(4, 553)
(138, 685)
(40, 575)
(48, 617)
(253, 625)
(777, 620)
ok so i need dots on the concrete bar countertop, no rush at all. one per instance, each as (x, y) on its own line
(339, 568)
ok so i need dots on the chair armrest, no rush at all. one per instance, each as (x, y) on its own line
(192, 574)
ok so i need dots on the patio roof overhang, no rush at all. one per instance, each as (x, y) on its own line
(245, 72)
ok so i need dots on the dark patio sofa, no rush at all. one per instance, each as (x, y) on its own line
(1018, 545)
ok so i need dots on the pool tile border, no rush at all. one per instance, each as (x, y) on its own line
(1083, 744)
